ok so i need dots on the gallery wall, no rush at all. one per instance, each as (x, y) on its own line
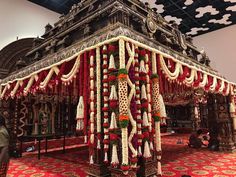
(21, 19)
(220, 46)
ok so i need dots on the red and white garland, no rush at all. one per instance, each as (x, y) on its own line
(113, 104)
(138, 101)
(92, 105)
(105, 108)
(191, 78)
(144, 104)
(98, 84)
(131, 61)
(156, 111)
(123, 107)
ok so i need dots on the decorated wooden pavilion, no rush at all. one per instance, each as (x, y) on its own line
(106, 70)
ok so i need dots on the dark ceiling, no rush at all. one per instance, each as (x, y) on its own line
(194, 17)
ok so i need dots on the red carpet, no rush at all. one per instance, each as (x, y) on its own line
(178, 159)
(56, 164)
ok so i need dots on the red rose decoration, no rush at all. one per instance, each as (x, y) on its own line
(113, 104)
(140, 136)
(112, 48)
(113, 137)
(124, 167)
(112, 78)
(106, 141)
(105, 109)
(145, 105)
(145, 135)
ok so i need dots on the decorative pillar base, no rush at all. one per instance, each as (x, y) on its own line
(227, 146)
(98, 170)
(147, 168)
(118, 173)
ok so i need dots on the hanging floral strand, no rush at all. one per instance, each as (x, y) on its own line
(123, 107)
(105, 108)
(98, 83)
(138, 101)
(156, 111)
(92, 106)
(113, 103)
(144, 105)
(131, 107)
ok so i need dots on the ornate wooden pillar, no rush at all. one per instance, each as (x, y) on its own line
(212, 119)
(204, 115)
(195, 115)
(225, 124)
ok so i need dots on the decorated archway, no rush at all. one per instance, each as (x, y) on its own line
(116, 85)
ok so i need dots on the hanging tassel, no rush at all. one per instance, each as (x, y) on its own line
(113, 124)
(91, 160)
(162, 110)
(159, 171)
(99, 144)
(232, 107)
(80, 113)
(151, 146)
(139, 151)
(145, 119)
(85, 139)
(112, 65)
(196, 112)
(106, 158)
(146, 153)
(114, 157)
(113, 95)
(142, 68)
(143, 92)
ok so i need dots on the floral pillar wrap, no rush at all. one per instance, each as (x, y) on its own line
(123, 106)
(156, 111)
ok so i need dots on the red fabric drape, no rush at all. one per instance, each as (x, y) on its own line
(85, 91)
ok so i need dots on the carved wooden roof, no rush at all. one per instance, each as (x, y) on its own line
(194, 16)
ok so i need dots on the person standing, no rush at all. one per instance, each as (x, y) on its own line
(4, 152)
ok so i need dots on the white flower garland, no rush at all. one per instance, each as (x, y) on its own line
(13, 92)
(204, 81)
(156, 108)
(92, 106)
(148, 96)
(138, 102)
(30, 83)
(222, 87)
(68, 77)
(4, 90)
(105, 99)
(170, 75)
(189, 81)
(44, 83)
(213, 86)
(124, 131)
(131, 53)
(98, 84)
(3, 85)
